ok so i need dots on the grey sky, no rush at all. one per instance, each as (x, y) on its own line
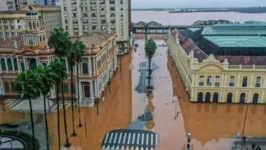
(195, 3)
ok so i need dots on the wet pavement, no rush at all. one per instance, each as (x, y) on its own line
(167, 111)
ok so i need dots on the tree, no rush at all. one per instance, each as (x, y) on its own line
(29, 86)
(80, 50)
(60, 41)
(71, 59)
(59, 69)
(46, 76)
(150, 52)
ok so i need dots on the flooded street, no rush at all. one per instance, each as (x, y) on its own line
(172, 116)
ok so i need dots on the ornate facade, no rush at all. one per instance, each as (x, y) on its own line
(231, 79)
(96, 68)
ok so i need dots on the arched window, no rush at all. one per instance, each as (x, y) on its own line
(255, 98)
(43, 37)
(208, 97)
(229, 98)
(215, 97)
(9, 64)
(217, 81)
(40, 38)
(30, 42)
(232, 81)
(245, 81)
(15, 64)
(200, 97)
(242, 99)
(3, 64)
(30, 25)
(209, 81)
(258, 80)
(7, 87)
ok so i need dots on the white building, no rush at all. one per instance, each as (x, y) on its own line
(81, 17)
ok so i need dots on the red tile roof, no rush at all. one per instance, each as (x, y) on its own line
(243, 60)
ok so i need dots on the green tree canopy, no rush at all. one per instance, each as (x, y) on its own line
(150, 48)
(60, 41)
(60, 71)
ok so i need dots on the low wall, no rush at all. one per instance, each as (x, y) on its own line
(153, 36)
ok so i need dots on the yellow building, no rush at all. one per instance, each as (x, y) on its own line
(12, 23)
(95, 70)
(216, 78)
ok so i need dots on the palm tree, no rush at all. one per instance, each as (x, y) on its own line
(29, 86)
(71, 59)
(46, 76)
(60, 41)
(150, 51)
(58, 68)
(80, 49)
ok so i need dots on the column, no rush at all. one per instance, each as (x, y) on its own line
(238, 80)
(264, 82)
(91, 90)
(80, 92)
(90, 66)
(12, 62)
(249, 97)
(251, 82)
(236, 99)
(6, 63)
(95, 65)
(262, 97)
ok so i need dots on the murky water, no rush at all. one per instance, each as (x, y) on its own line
(166, 18)
(213, 126)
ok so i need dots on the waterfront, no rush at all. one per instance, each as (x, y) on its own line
(166, 18)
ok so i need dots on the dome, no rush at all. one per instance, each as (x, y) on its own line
(31, 12)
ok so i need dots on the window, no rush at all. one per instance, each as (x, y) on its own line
(121, 1)
(22, 67)
(6, 87)
(15, 64)
(217, 81)
(30, 42)
(18, 21)
(245, 81)
(3, 64)
(19, 27)
(209, 81)
(201, 81)
(44, 64)
(65, 88)
(121, 9)
(258, 80)
(231, 81)
(13, 86)
(85, 67)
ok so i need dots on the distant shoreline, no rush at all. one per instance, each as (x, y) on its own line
(194, 10)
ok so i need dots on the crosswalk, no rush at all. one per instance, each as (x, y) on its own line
(128, 139)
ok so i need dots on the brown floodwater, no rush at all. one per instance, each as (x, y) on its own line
(213, 126)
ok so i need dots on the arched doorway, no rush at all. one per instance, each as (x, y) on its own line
(242, 98)
(229, 98)
(208, 97)
(200, 97)
(33, 64)
(255, 98)
(215, 97)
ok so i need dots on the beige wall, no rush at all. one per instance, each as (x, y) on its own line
(191, 70)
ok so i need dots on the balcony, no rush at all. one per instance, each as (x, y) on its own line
(231, 84)
(217, 84)
(201, 83)
(209, 84)
(257, 85)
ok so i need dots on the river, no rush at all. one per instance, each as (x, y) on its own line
(166, 18)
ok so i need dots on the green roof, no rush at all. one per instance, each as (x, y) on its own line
(238, 41)
(211, 31)
(255, 22)
(238, 25)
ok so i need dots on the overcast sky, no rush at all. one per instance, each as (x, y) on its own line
(195, 3)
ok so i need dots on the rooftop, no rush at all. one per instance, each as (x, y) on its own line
(94, 39)
(238, 41)
(12, 12)
(233, 31)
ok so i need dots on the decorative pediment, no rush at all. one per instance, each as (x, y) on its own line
(211, 59)
(211, 69)
(28, 52)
